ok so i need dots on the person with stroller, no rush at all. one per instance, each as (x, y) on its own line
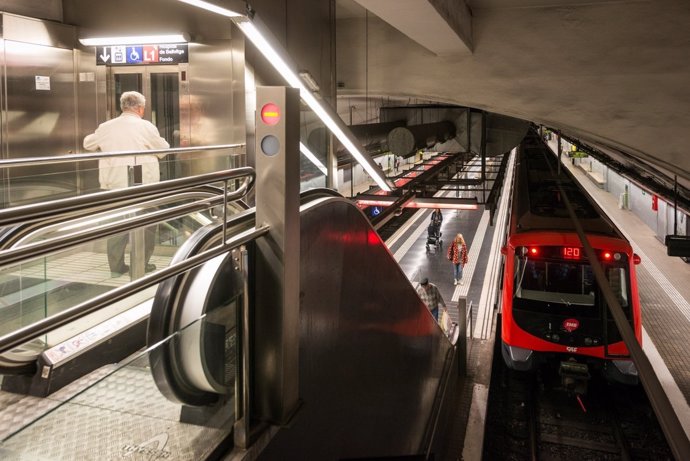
(434, 228)
(437, 217)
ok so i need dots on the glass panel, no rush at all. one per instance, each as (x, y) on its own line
(117, 412)
(313, 151)
(556, 282)
(125, 82)
(165, 114)
(617, 277)
(45, 286)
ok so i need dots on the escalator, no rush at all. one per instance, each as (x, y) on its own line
(40, 288)
(375, 370)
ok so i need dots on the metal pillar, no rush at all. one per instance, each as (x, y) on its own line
(277, 275)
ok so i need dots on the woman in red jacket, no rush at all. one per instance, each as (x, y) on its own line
(457, 254)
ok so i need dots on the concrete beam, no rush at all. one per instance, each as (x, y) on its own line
(450, 21)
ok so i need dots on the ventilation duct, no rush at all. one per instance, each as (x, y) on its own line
(373, 137)
(405, 141)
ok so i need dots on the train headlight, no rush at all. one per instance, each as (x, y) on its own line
(555, 337)
(617, 256)
(588, 341)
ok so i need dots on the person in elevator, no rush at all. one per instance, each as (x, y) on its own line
(457, 254)
(127, 132)
(429, 294)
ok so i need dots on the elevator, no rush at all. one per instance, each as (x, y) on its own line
(167, 97)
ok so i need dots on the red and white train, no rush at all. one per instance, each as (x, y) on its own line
(553, 308)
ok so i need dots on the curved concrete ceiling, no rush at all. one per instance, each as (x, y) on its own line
(615, 74)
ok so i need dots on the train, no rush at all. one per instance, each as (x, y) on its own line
(553, 310)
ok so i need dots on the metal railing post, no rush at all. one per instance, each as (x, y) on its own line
(462, 338)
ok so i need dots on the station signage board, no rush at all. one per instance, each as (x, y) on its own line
(135, 55)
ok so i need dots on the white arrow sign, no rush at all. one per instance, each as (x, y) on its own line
(105, 56)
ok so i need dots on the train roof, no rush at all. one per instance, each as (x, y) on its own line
(537, 199)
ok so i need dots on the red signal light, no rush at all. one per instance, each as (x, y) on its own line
(270, 114)
(606, 255)
(534, 251)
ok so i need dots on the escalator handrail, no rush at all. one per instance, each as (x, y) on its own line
(50, 160)
(53, 245)
(43, 326)
(49, 246)
(12, 236)
(86, 203)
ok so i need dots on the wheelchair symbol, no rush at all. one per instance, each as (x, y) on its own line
(134, 56)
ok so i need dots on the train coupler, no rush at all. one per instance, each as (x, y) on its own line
(574, 376)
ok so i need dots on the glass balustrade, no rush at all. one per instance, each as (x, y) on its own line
(41, 287)
(117, 411)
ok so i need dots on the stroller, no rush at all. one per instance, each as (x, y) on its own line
(433, 238)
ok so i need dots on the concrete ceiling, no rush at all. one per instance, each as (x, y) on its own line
(614, 74)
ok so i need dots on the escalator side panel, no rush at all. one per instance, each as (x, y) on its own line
(371, 355)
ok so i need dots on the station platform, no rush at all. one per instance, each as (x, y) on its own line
(663, 286)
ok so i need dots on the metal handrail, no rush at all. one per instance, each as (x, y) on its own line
(29, 332)
(21, 233)
(38, 211)
(49, 160)
(53, 245)
(468, 321)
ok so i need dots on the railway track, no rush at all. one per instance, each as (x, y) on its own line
(531, 417)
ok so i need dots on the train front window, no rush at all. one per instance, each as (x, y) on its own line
(563, 284)
(555, 282)
(618, 281)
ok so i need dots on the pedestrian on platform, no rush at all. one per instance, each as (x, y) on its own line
(437, 217)
(429, 294)
(127, 132)
(457, 254)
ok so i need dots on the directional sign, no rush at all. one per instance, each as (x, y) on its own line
(135, 55)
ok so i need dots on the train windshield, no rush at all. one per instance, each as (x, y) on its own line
(566, 283)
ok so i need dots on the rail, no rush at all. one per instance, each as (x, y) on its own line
(37, 211)
(69, 206)
(29, 332)
(49, 160)
(18, 234)
(49, 246)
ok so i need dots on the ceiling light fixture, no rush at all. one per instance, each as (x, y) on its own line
(273, 52)
(309, 80)
(134, 40)
(213, 8)
(324, 112)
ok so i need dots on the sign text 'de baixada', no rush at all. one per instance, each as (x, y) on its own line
(134, 55)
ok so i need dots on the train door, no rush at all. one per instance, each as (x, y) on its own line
(165, 93)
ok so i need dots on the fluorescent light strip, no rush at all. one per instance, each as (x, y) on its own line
(294, 81)
(213, 8)
(133, 40)
(312, 158)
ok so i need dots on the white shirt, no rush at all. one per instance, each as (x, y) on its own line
(126, 132)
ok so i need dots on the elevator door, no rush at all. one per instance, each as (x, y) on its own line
(160, 85)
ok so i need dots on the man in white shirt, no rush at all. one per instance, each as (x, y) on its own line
(127, 132)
